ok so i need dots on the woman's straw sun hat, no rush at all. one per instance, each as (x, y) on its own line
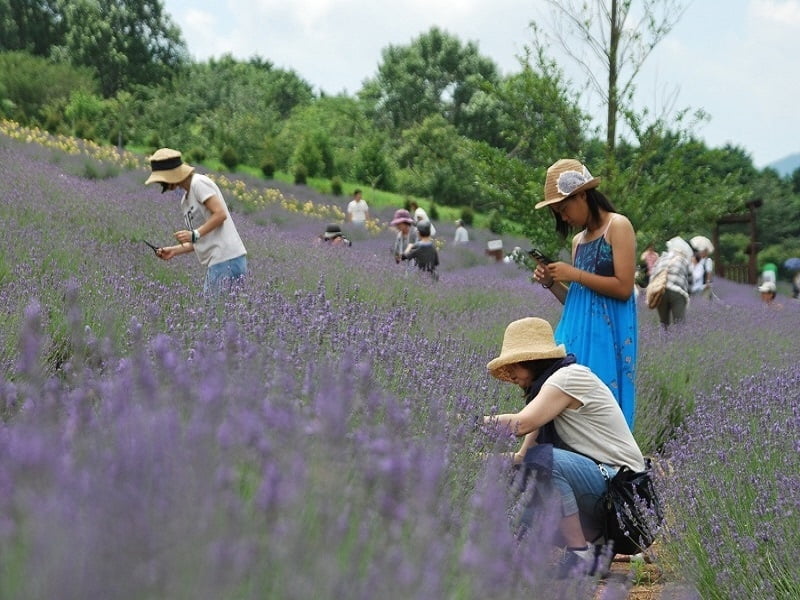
(565, 178)
(526, 339)
(168, 167)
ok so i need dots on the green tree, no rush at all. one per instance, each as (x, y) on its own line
(435, 74)
(121, 114)
(224, 102)
(126, 42)
(373, 166)
(540, 121)
(37, 90)
(308, 154)
(34, 27)
(84, 112)
(610, 39)
(340, 120)
(778, 219)
(674, 185)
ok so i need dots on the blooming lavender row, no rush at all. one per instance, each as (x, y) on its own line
(731, 482)
(311, 435)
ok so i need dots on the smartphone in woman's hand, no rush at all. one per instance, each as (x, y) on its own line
(537, 254)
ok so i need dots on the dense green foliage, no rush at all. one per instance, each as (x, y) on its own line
(437, 121)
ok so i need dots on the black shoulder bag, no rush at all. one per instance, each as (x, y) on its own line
(633, 512)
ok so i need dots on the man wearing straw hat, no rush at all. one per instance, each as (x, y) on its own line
(210, 232)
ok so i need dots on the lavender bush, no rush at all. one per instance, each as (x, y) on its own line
(730, 481)
(308, 436)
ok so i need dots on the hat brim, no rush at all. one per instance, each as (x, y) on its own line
(175, 175)
(398, 221)
(589, 185)
(499, 366)
(333, 234)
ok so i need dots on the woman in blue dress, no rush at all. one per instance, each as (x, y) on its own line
(599, 322)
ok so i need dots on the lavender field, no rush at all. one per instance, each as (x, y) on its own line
(310, 436)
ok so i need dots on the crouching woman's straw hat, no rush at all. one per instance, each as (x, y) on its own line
(526, 339)
(168, 167)
(564, 178)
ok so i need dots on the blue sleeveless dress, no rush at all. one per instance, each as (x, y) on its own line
(602, 332)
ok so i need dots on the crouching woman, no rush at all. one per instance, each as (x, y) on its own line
(569, 407)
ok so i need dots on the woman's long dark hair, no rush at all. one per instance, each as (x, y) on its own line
(595, 200)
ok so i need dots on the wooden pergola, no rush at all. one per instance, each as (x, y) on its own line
(742, 273)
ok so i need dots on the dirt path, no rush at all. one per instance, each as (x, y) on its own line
(648, 579)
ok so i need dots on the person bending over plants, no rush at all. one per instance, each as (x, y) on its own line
(209, 230)
(571, 421)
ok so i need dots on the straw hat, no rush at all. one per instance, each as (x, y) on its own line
(526, 339)
(564, 178)
(168, 167)
(402, 216)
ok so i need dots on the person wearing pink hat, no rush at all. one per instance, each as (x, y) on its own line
(406, 233)
(599, 323)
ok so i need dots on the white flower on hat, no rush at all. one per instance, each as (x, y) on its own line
(569, 181)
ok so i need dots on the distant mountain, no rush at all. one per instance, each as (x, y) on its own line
(786, 166)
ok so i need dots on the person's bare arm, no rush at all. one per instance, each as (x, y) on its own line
(546, 406)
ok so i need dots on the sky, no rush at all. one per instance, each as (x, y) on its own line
(734, 59)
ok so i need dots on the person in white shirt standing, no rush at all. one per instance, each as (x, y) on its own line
(357, 210)
(210, 232)
(702, 273)
(462, 236)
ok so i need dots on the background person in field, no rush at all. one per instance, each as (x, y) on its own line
(406, 233)
(462, 235)
(210, 232)
(676, 262)
(357, 210)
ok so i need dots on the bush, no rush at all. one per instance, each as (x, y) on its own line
(373, 168)
(196, 154)
(467, 216)
(433, 214)
(95, 169)
(336, 186)
(118, 138)
(153, 142)
(229, 158)
(268, 168)
(496, 222)
(309, 155)
(300, 174)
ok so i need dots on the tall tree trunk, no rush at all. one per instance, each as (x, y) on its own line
(613, 73)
